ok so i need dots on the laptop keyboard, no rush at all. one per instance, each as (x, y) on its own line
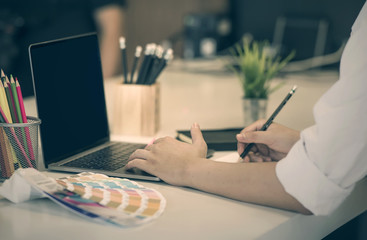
(110, 158)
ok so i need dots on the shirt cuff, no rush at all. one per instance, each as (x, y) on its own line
(302, 179)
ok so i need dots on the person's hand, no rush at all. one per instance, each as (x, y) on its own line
(270, 145)
(168, 158)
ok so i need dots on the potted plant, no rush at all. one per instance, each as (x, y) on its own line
(255, 67)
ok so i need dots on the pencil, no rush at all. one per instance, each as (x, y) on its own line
(168, 56)
(11, 101)
(149, 50)
(135, 63)
(4, 102)
(15, 98)
(270, 120)
(13, 117)
(11, 108)
(4, 156)
(11, 154)
(9, 98)
(154, 65)
(124, 59)
(7, 167)
(14, 140)
(28, 144)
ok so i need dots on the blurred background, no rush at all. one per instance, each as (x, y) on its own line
(195, 29)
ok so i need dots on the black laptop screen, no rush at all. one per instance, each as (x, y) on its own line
(68, 84)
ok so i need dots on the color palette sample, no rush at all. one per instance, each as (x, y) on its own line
(133, 203)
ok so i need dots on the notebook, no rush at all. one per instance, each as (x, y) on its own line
(68, 85)
(217, 139)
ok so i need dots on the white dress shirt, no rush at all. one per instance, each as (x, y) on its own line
(322, 168)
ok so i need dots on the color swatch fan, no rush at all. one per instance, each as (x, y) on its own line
(137, 203)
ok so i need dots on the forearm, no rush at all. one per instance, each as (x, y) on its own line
(248, 182)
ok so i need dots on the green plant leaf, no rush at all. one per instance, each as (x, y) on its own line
(256, 68)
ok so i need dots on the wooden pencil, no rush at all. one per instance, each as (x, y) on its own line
(135, 63)
(15, 142)
(4, 102)
(28, 144)
(9, 97)
(15, 98)
(4, 157)
(124, 59)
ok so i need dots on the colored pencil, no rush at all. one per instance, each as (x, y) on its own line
(24, 119)
(4, 102)
(20, 117)
(11, 120)
(9, 102)
(15, 117)
(7, 153)
(14, 140)
(15, 98)
(11, 154)
(9, 97)
(4, 160)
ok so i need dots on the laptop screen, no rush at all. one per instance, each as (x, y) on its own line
(68, 85)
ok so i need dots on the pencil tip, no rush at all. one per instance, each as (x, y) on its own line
(122, 42)
(168, 55)
(159, 51)
(294, 88)
(138, 51)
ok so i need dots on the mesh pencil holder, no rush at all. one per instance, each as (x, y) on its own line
(18, 146)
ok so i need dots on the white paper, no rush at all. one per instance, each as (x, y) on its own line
(19, 187)
(229, 158)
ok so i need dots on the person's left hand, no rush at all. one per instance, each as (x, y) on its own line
(168, 158)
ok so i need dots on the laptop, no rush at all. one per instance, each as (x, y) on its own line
(68, 85)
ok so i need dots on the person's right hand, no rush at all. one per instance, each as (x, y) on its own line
(270, 145)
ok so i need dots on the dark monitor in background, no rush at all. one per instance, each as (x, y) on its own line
(303, 21)
(308, 36)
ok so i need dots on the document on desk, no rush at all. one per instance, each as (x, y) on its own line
(107, 200)
(232, 157)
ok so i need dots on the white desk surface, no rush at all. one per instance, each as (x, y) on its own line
(213, 99)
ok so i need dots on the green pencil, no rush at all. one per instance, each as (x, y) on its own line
(15, 98)
(10, 101)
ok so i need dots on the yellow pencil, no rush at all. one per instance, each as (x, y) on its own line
(4, 157)
(4, 103)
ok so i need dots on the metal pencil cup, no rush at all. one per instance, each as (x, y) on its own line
(18, 146)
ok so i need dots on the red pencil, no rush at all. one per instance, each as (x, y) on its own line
(12, 134)
(24, 118)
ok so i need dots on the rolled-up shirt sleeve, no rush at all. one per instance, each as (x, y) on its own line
(302, 179)
(322, 168)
